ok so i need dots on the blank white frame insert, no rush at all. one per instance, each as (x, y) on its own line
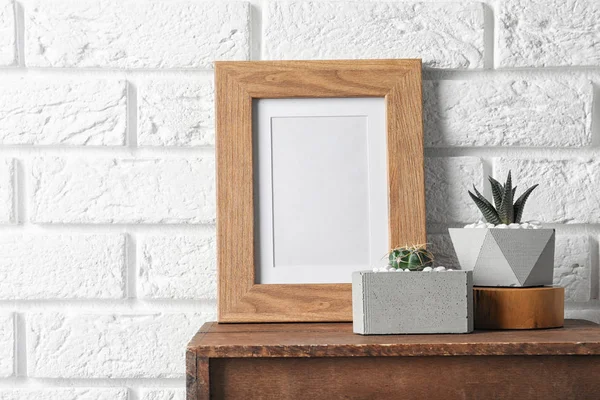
(321, 188)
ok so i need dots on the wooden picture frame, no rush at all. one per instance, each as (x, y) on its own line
(240, 299)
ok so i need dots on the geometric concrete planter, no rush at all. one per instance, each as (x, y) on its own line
(412, 302)
(506, 257)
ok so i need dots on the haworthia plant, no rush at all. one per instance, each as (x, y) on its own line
(413, 258)
(503, 211)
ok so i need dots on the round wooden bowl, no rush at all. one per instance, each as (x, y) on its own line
(519, 308)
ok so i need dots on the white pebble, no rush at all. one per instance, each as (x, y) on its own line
(439, 269)
(514, 226)
(537, 227)
(470, 226)
(399, 270)
(526, 225)
(449, 269)
(375, 269)
(427, 269)
(501, 226)
(490, 225)
(407, 270)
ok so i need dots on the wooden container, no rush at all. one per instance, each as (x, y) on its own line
(324, 361)
(519, 308)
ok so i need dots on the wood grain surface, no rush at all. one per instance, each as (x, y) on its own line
(240, 298)
(337, 340)
(327, 361)
(468, 377)
(519, 308)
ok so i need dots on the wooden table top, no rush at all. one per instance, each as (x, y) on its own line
(215, 340)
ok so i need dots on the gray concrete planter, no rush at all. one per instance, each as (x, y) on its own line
(506, 257)
(412, 302)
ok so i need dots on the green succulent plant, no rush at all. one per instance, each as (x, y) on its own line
(505, 211)
(413, 258)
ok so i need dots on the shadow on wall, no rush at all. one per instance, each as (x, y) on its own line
(446, 183)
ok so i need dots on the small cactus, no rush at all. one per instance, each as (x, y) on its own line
(413, 258)
(504, 212)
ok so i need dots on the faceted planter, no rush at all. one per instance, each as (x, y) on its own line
(412, 302)
(506, 257)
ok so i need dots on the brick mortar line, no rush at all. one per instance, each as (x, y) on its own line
(107, 383)
(192, 74)
(109, 307)
(31, 151)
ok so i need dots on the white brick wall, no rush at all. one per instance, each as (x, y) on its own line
(7, 345)
(307, 30)
(568, 194)
(7, 191)
(134, 191)
(446, 182)
(177, 267)
(71, 112)
(62, 266)
(548, 33)
(107, 188)
(163, 394)
(508, 112)
(64, 394)
(177, 112)
(134, 34)
(7, 33)
(109, 346)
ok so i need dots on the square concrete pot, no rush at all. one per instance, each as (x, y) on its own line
(385, 303)
(506, 257)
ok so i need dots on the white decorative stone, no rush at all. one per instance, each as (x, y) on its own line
(439, 269)
(548, 33)
(163, 394)
(572, 267)
(501, 226)
(446, 183)
(7, 191)
(43, 111)
(444, 35)
(36, 266)
(106, 190)
(503, 112)
(7, 345)
(177, 267)
(8, 54)
(568, 188)
(135, 34)
(427, 269)
(176, 112)
(84, 346)
(50, 393)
